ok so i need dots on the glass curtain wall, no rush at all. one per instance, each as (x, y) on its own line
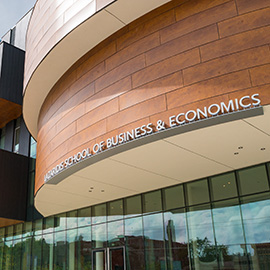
(220, 222)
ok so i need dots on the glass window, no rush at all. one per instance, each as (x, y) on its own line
(60, 222)
(152, 202)
(134, 243)
(253, 180)
(16, 141)
(223, 186)
(99, 213)
(116, 233)
(26, 253)
(71, 249)
(2, 244)
(229, 234)
(197, 192)
(37, 226)
(9, 233)
(84, 249)
(27, 229)
(201, 237)
(16, 253)
(36, 252)
(115, 210)
(8, 261)
(48, 226)
(154, 242)
(133, 206)
(2, 138)
(33, 148)
(176, 239)
(99, 235)
(60, 250)
(256, 218)
(18, 231)
(84, 216)
(47, 252)
(173, 197)
(72, 220)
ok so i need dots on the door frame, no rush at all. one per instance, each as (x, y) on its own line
(107, 256)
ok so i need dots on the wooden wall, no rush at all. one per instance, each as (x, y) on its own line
(184, 55)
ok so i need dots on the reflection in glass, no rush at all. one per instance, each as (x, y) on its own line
(197, 192)
(27, 229)
(1, 247)
(201, 238)
(115, 210)
(84, 216)
(72, 220)
(36, 252)
(48, 225)
(134, 243)
(60, 222)
(176, 239)
(223, 186)
(173, 197)
(71, 249)
(8, 258)
(16, 254)
(60, 250)
(84, 248)
(116, 233)
(252, 180)
(38, 227)
(133, 206)
(229, 235)
(152, 202)
(99, 260)
(256, 218)
(99, 236)
(26, 253)
(116, 258)
(47, 252)
(154, 242)
(99, 213)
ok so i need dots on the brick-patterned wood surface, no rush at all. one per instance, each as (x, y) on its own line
(184, 55)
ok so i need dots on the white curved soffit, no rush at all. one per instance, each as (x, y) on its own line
(73, 46)
(169, 161)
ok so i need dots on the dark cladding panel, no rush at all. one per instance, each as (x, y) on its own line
(13, 183)
(11, 77)
(24, 139)
(9, 136)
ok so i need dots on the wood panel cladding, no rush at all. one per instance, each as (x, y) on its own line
(184, 55)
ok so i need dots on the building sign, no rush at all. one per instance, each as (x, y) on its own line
(180, 119)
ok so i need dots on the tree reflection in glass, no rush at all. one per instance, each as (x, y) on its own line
(202, 249)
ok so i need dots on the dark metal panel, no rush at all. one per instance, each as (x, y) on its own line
(24, 139)
(13, 185)
(9, 136)
(11, 77)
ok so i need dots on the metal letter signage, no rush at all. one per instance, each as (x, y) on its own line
(180, 119)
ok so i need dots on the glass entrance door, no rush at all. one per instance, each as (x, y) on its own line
(109, 259)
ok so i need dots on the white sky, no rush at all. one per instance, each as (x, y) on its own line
(11, 11)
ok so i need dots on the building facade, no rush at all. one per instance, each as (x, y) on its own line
(153, 140)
